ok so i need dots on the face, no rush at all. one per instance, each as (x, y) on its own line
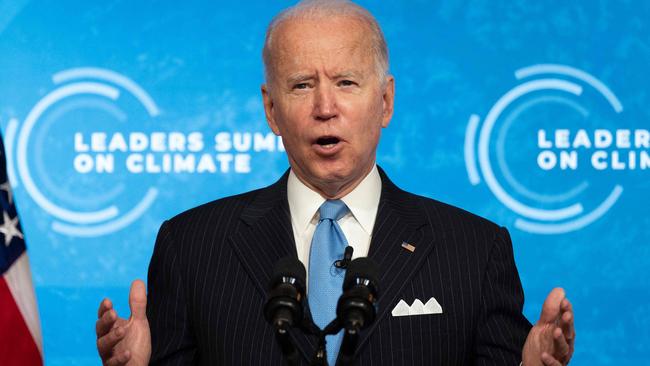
(326, 101)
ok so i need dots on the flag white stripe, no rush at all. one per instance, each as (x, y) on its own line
(19, 281)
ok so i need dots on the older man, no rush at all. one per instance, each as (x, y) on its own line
(328, 94)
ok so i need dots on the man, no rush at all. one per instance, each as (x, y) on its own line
(328, 94)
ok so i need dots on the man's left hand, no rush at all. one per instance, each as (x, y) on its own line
(551, 341)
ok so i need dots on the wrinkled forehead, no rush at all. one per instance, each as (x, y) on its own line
(339, 42)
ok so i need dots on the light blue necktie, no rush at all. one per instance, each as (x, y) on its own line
(325, 280)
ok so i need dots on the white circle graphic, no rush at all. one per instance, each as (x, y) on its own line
(78, 81)
(534, 219)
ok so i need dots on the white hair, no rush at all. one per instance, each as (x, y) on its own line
(317, 9)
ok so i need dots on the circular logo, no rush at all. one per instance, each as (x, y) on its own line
(543, 147)
(76, 90)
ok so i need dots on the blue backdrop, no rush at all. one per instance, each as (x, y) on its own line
(117, 115)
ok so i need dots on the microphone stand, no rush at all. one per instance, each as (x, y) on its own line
(286, 345)
(320, 356)
(348, 345)
(282, 325)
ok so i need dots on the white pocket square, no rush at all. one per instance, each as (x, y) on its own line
(417, 308)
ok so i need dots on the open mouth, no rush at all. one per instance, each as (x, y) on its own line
(327, 141)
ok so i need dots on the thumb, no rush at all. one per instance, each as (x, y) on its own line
(551, 307)
(138, 300)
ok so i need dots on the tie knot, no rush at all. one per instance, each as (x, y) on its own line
(333, 210)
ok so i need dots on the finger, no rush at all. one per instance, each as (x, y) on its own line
(138, 300)
(105, 323)
(119, 359)
(551, 307)
(106, 343)
(567, 321)
(562, 348)
(548, 360)
(104, 306)
(568, 327)
(566, 305)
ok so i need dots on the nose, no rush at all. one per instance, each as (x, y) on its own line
(325, 107)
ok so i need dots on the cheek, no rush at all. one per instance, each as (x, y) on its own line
(372, 139)
(293, 117)
(365, 141)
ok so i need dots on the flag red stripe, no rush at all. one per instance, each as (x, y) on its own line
(17, 346)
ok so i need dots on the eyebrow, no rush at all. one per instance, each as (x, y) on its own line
(347, 74)
(296, 78)
(292, 79)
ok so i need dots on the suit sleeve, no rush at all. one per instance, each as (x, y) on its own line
(172, 340)
(502, 328)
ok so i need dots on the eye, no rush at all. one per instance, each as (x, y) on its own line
(346, 82)
(301, 86)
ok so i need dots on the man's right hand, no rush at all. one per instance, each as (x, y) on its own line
(121, 341)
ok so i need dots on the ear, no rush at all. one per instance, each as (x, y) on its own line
(388, 97)
(268, 109)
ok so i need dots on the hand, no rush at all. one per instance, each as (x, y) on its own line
(551, 341)
(121, 341)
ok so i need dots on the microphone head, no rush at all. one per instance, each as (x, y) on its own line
(289, 267)
(365, 268)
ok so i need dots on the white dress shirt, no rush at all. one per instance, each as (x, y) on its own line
(357, 224)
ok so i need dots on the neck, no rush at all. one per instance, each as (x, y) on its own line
(333, 190)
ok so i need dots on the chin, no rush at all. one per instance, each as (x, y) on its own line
(334, 170)
(339, 177)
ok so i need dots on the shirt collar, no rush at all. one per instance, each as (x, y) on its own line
(303, 202)
(363, 201)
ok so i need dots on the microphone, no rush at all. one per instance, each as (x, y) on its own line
(347, 258)
(283, 308)
(356, 308)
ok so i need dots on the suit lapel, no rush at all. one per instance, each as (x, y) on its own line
(266, 237)
(400, 219)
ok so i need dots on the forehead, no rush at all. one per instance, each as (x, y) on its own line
(321, 43)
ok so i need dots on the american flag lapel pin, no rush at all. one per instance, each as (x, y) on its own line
(408, 247)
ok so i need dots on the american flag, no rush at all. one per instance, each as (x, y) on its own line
(20, 329)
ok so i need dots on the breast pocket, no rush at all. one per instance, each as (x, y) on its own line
(419, 325)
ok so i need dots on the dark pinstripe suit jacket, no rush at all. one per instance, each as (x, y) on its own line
(211, 265)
